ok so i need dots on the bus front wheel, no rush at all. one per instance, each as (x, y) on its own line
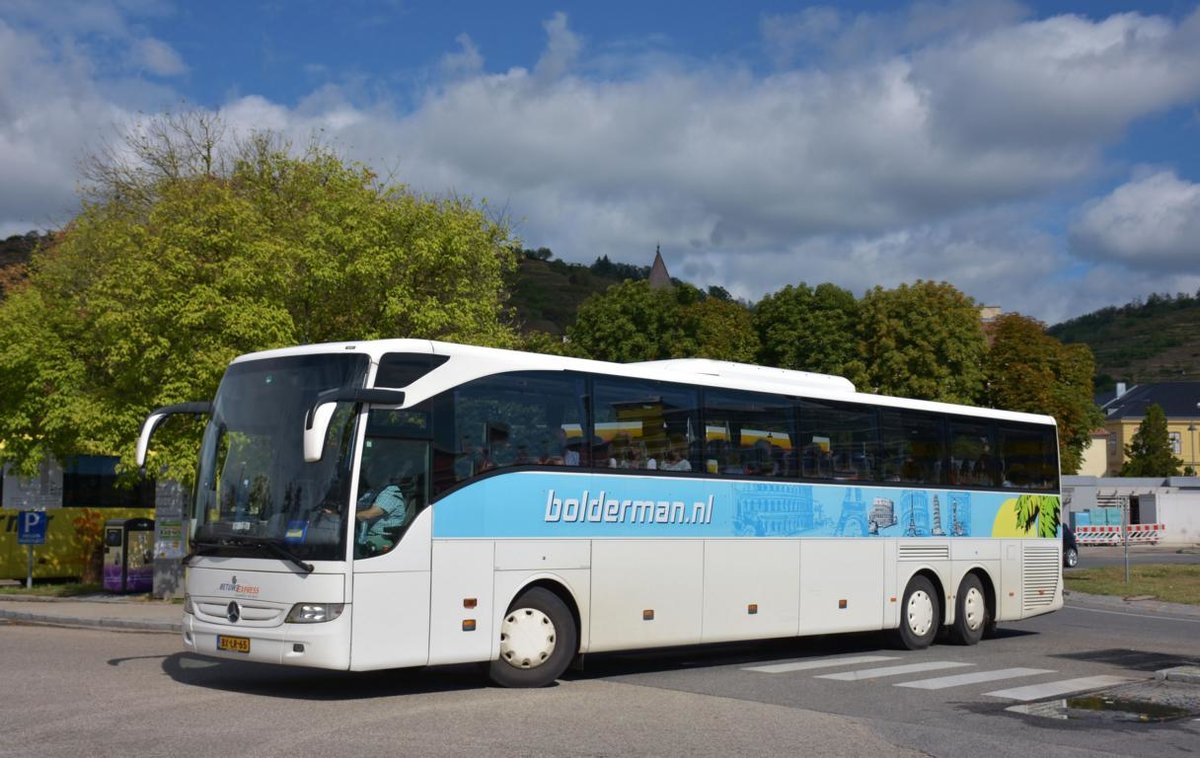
(537, 641)
(920, 615)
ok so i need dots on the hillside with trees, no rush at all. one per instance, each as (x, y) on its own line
(15, 254)
(546, 293)
(1153, 340)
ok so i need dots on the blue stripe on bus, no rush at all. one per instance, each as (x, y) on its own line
(557, 505)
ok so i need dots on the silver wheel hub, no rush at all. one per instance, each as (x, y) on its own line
(919, 613)
(527, 638)
(974, 609)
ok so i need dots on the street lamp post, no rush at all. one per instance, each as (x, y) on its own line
(1192, 429)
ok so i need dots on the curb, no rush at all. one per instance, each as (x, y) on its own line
(96, 613)
(1188, 674)
(127, 625)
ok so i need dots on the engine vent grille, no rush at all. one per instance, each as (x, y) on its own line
(1040, 576)
(924, 552)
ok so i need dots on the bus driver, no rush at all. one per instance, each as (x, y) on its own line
(382, 508)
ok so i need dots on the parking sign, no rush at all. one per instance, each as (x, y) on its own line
(31, 528)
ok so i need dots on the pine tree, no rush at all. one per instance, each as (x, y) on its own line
(1150, 450)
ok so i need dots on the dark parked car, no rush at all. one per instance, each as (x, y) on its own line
(1070, 548)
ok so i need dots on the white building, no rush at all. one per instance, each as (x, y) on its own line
(1173, 502)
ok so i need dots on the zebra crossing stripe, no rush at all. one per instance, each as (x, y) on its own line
(908, 668)
(818, 663)
(1051, 689)
(958, 680)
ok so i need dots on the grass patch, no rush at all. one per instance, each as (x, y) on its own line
(1172, 583)
(53, 589)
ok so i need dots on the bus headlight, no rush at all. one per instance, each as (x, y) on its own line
(314, 613)
(188, 608)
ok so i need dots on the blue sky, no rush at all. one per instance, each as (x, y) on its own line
(1041, 157)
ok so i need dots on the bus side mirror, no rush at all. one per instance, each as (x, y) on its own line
(316, 426)
(159, 415)
(316, 421)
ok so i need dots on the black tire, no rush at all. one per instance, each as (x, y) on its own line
(971, 615)
(920, 615)
(538, 639)
(1071, 557)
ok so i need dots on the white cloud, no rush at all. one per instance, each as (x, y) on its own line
(1151, 222)
(562, 48)
(464, 63)
(827, 32)
(157, 57)
(1064, 82)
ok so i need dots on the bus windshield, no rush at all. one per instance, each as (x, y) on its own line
(255, 495)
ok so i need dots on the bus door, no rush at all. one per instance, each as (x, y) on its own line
(391, 542)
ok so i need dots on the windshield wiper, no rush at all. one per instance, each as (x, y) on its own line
(281, 552)
(208, 548)
(201, 548)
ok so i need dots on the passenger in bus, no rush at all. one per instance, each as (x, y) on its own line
(632, 458)
(618, 453)
(562, 452)
(674, 461)
(496, 455)
(523, 456)
(731, 462)
(763, 460)
(570, 454)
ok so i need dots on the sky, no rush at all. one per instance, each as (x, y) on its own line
(1041, 157)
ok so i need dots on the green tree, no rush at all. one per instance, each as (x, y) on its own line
(1149, 451)
(923, 340)
(807, 329)
(185, 259)
(1028, 370)
(721, 329)
(627, 322)
(631, 321)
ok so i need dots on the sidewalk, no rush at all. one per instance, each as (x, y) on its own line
(135, 613)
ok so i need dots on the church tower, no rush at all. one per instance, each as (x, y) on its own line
(659, 278)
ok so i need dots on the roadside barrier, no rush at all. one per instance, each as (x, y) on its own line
(1146, 534)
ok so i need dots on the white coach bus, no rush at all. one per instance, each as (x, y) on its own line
(408, 503)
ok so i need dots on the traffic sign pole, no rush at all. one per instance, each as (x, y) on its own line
(29, 574)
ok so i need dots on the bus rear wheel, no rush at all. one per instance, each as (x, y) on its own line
(920, 615)
(970, 612)
(538, 639)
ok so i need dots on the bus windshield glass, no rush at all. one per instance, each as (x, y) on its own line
(255, 495)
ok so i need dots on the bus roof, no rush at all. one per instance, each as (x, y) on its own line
(469, 362)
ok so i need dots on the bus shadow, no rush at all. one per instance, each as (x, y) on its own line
(662, 660)
(289, 683)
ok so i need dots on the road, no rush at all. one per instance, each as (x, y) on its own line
(91, 692)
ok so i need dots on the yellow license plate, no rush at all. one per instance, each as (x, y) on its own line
(233, 644)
